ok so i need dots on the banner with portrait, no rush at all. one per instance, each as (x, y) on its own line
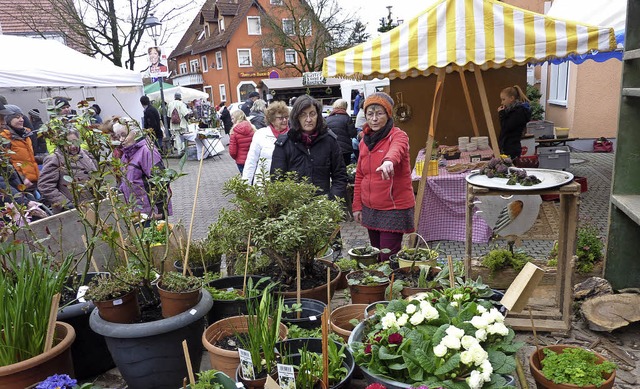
(157, 62)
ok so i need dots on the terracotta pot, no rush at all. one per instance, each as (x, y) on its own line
(410, 290)
(320, 292)
(542, 383)
(226, 360)
(258, 383)
(33, 370)
(342, 281)
(367, 294)
(367, 259)
(123, 310)
(341, 316)
(174, 303)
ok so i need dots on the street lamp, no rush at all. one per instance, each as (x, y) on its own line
(154, 28)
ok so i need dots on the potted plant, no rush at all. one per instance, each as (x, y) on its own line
(366, 255)
(346, 266)
(416, 279)
(284, 220)
(213, 379)
(229, 297)
(500, 258)
(178, 293)
(60, 381)
(305, 315)
(564, 367)
(201, 259)
(589, 248)
(447, 339)
(418, 256)
(367, 286)
(116, 295)
(345, 318)
(28, 282)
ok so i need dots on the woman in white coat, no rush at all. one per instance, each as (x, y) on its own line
(263, 143)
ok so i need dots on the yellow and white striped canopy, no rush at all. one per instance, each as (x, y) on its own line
(458, 33)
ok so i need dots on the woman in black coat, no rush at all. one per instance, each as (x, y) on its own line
(514, 114)
(339, 121)
(310, 150)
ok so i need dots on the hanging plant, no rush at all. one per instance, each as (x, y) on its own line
(328, 90)
(401, 111)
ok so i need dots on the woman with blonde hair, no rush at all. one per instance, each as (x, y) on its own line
(240, 139)
(514, 113)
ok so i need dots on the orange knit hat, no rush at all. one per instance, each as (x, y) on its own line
(382, 99)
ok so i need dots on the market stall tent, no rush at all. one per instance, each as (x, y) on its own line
(188, 94)
(58, 70)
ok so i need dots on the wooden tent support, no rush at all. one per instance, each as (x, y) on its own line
(467, 97)
(435, 110)
(487, 111)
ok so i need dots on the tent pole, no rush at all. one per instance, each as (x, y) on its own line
(467, 97)
(435, 109)
(487, 113)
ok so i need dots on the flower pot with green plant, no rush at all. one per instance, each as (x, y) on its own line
(366, 255)
(284, 219)
(568, 367)
(367, 286)
(230, 294)
(116, 295)
(178, 293)
(589, 248)
(28, 282)
(201, 260)
(346, 266)
(212, 379)
(416, 279)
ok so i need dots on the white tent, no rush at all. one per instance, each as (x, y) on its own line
(54, 69)
(188, 94)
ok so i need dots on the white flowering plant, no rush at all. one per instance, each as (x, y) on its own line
(436, 339)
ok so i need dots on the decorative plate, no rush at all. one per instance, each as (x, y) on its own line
(549, 179)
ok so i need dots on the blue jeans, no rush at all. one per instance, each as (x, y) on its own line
(240, 167)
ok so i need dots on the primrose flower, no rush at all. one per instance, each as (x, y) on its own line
(395, 338)
(487, 369)
(402, 320)
(466, 358)
(478, 354)
(498, 328)
(454, 304)
(417, 318)
(411, 309)
(455, 331)
(440, 350)
(376, 386)
(496, 316)
(428, 311)
(480, 322)
(481, 335)
(475, 380)
(481, 309)
(57, 381)
(367, 349)
(458, 296)
(389, 320)
(452, 342)
(468, 341)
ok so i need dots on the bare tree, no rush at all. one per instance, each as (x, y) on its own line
(112, 29)
(311, 28)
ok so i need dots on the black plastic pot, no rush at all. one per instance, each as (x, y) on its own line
(290, 348)
(311, 314)
(150, 355)
(197, 269)
(228, 308)
(89, 350)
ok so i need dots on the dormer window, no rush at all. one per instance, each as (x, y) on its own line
(207, 32)
(201, 35)
(221, 24)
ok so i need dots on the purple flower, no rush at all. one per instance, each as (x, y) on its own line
(395, 338)
(367, 348)
(57, 381)
(377, 386)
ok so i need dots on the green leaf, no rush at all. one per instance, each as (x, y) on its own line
(439, 334)
(502, 364)
(426, 359)
(387, 355)
(451, 364)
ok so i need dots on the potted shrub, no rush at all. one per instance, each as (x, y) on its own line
(28, 282)
(116, 295)
(178, 293)
(367, 286)
(366, 255)
(346, 266)
(500, 258)
(565, 367)
(284, 219)
(447, 339)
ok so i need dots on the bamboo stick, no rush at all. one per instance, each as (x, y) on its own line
(246, 266)
(298, 285)
(193, 214)
(535, 335)
(325, 348)
(51, 326)
(187, 357)
(93, 260)
(393, 277)
(452, 276)
(329, 288)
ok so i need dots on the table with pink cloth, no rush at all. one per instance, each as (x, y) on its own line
(442, 216)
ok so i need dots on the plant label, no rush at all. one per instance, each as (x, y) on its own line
(117, 302)
(271, 384)
(313, 318)
(239, 385)
(81, 292)
(247, 365)
(193, 312)
(286, 377)
(229, 289)
(517, 296)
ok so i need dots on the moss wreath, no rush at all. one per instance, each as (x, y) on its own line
(402, 112)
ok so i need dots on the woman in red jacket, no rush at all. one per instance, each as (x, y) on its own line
(383, 199)
(240, 140)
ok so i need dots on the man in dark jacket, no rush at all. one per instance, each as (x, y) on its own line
(152, 119)
(246, 107)
(225, 117)
(340, 123)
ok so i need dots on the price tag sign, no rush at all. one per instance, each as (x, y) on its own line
(81, 292)
(313, 318)
(247, 365)
(286, 377)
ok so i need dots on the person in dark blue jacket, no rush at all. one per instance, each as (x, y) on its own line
(514, 113)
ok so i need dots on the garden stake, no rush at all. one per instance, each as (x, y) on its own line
(393, 277)
(535, 335)
(325, 348)
(298, 281)
(51, 327)
(115, 216)
(246, 266)
(452, 276)
(93, 260)
(520, 373)
(193, 214)
(328, 289)
(185, 348)
(184, 383)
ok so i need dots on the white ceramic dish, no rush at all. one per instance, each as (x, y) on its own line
(549, 179)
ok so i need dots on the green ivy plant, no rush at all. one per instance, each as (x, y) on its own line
(501, 258)
(575, 366)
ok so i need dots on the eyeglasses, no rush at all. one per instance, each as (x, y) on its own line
(310, 115)
(372, 114)
(282, 118)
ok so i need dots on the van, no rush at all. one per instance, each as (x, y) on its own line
(351, 88)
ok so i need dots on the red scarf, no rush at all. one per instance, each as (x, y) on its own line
(338, 111)
(307, 139)
(276, 133)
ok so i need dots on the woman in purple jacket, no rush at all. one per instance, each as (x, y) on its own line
(141, 159)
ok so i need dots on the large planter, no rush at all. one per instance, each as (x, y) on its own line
(33, 370)
(150, 355)
(320, 292)
(310, 316)
(197, 269)
(340, 318)
(290, 348)
(229, 308)
(367, 294)
(365, 259)
(543, 383)
(174, 303)
(124, 310)
(89, 351)
(227, 360)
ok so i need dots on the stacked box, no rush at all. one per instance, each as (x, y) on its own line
(540, 128)
(557, 158)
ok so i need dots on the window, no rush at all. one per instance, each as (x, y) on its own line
(290, 56)
(244, 57)
(311, 56)
(183, 68)
(276, 2)
(207, 32)
(205, 64)
(209, 90)
(559, 84)
(305, 27)
(223, 92)
(221, 24)
(268, 57)
(194, 66)
(253, 25)
(218, 60)
(288, 26)
(201, 35)
(244, 88)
